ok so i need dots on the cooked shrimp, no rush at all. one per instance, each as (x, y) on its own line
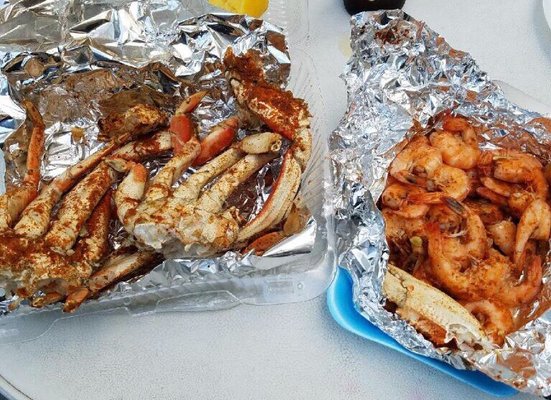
(399, 232)
(489, 213)
(474, 238)
(495, 318)
(516, 167)
(417, 159)
(511, 292)
(535, 223)
(491, 278)
(513, 165)
(502, 188)
(399, 228)
(396, 195)
(458, 150)
(519, 201)
(452, 182)
(504, 193)
(447, 219)
(495, 198)
(503, 234)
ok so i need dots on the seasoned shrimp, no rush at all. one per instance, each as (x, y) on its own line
(417, 159)
(510, 194)
(489, 213)
(502, 188)
(459, 147)
(447, 219)
(396, 195)
(490, 278)
(397, 226)
(516, 167)
(535, 223)
(452, 182)
(399, 232)
(473, 237)
(492, 196)
(495, 318)
(503, 234)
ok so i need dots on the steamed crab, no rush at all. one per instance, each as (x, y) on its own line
(195, 221)
(43, 257)
(54, 242)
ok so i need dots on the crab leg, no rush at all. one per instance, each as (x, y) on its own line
(89, 250)
(161, 185)
(93, 247)
(158, 144)
(189, 104)
(267, 142)
(219, 138)
(129, 192)
(181, 124)
(265, 242)
(253, 144)
(36, 217)
(283, 193)
(213, 199)
(115, 269)
(284, 114)
(77, 207)
(191, 188)
(295, 221)
(295, 126)
(17, 199)
(417, 299)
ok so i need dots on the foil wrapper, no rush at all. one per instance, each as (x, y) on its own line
(401, 71)
(79, 60)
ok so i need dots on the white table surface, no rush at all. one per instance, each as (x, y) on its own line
(289, 351)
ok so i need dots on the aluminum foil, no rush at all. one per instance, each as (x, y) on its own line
(79, 60)
(401, 71)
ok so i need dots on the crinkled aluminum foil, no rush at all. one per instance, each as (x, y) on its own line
(79, 60)
(403, 71)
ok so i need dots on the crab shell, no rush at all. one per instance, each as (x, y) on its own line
(419, 302)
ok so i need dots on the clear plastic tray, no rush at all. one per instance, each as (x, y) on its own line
(278, 279)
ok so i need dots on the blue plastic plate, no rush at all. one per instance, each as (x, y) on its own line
(341, 306)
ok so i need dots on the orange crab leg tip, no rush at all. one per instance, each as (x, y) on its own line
(75, 299)
(183, 130)
(190, 103)
(265, 242)
(218, 139)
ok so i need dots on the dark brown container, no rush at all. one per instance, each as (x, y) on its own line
(356, 6)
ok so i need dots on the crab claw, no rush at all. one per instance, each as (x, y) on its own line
(431, 311)
(190, 103)
(219, 138)
(280, 200)
(183, 128)
(181, 124)
(284, 114)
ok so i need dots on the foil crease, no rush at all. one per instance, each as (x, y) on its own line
(401, 71)
(79, 60)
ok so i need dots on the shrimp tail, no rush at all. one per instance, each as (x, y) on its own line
(427, 198)
(455, 206)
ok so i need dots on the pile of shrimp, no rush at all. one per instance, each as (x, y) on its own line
(473, 223)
